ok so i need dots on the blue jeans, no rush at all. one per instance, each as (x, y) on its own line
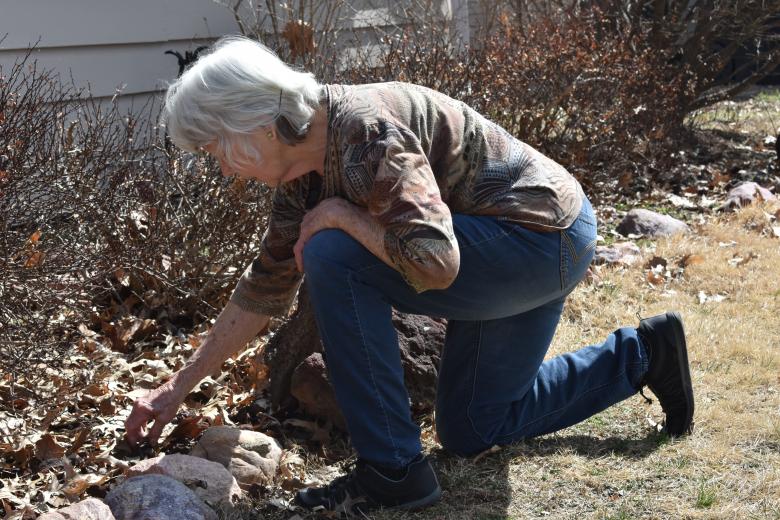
(502, 310)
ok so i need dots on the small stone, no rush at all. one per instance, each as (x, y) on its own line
(625, 253)
(210, 481)
(251, 457)
(153, 497)
(650, 224)
(746, 194)
(89, 509)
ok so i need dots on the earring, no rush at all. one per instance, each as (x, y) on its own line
(269, 134)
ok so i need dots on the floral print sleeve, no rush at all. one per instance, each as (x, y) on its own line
(405, 199)
(269, 284)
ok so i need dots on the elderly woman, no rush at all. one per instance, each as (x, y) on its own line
(394, 195)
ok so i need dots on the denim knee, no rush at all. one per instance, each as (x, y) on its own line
(457, 435)
(324, 250)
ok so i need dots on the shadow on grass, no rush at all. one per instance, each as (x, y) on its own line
(590, 446)
(481, 488)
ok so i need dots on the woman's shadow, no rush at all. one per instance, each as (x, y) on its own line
(481, 487)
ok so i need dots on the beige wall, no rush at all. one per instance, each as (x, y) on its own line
(119, 45)
(110, 44)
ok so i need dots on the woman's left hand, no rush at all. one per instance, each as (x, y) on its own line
(328, 214)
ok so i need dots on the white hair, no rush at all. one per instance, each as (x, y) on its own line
(231, 92)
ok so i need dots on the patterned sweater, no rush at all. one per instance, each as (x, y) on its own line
(411, 156)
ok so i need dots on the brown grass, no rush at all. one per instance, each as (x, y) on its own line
(614, 465)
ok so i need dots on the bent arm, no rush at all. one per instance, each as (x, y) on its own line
(434, 271)
(233, 329)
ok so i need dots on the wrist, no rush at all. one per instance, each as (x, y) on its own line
(182, 382)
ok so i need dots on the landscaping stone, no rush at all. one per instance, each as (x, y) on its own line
(89, 509)
(154, 497)
(745, 194)
(251, 457)
(310, 386)
(625, 253)
(210, 481)
(650, 224)
(420, 339)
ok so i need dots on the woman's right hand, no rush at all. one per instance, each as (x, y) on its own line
(159, 405)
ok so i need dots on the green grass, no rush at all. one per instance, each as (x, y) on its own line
(706, 496)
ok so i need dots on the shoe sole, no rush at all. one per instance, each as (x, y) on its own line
(415, 505)
(420, 503)
(685, 372)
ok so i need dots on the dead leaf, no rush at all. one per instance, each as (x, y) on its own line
(122, 277)
(79, 484)
(654, 278)
(34, 238)
(47, 448)
(52, 414)
(493, 449)
(690, 259)
(96, 389)
(35, 259)
(78, 442)
(189, 428)
(24, 455)
(300, 37)
(720, 178)
(126, 331)
(106, 407)
(625, 180)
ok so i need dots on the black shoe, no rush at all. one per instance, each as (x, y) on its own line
(365, 489)
(668, 375)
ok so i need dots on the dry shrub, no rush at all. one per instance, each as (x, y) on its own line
(97, 222)
(602, 102)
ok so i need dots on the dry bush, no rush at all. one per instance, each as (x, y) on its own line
(729, 45)
(97, 223)
(602, 102)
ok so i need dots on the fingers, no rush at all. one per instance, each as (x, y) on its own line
(155, 431)
(140, 415)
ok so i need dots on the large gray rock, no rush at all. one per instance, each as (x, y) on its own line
(210, 481)
(745, 194)
(651, 224)
(156, 497)
(89, 509)
(251, 457)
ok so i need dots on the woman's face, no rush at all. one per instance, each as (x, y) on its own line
(268, 170)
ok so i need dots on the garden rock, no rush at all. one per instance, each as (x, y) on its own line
(154, 497)
(625, 253)
(650, 224)
(210, 481)
(251, 457)
(420, 340)
(310, 386)
(89, 509)
(746, 194)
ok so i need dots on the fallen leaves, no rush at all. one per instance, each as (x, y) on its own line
(127, 330)
(47, 448)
